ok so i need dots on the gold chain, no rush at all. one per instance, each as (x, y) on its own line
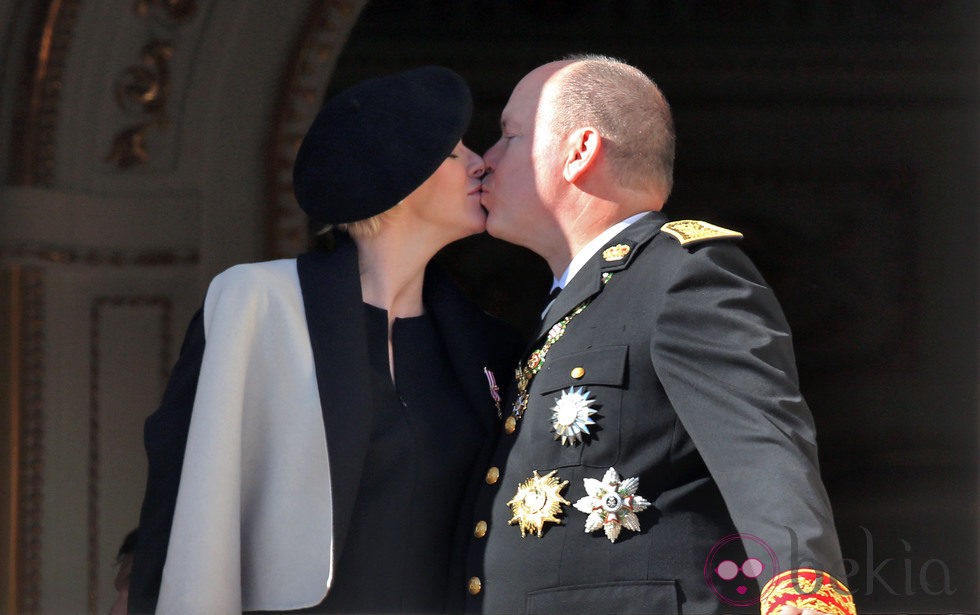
(525, 373)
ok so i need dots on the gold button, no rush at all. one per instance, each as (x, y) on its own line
(578, 372)
(493, 474)
(481, 529)
(474, 585)
(510, 424)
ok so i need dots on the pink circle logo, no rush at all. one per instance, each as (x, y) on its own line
(732, 577)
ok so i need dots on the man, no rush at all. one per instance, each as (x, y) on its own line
(659, 457)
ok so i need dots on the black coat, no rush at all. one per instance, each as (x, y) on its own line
(332, 300)
(689, 358)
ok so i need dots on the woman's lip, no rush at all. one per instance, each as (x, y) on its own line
(476, 190)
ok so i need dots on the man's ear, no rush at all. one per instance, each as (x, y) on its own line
(584, 146)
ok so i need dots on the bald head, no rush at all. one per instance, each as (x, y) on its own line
(585, 143)
(627, 109)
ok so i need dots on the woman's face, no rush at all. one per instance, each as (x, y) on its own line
(450, 199)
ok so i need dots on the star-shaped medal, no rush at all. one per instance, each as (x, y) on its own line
(537, 501)
(570, 415)
(612, 504)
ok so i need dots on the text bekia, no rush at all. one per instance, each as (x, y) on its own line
(905, 576)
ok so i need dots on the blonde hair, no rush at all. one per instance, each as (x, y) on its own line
(369, 227)
(629, 111)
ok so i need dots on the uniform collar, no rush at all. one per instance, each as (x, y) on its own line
(588, 280)
(589, 249)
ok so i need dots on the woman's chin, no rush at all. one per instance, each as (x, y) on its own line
(471, 230)
(481, 227)
(463, 231)
(478, 222)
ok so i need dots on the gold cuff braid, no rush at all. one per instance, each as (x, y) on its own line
(806, 588)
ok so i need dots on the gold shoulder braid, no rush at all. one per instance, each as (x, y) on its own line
(688, 232)
(525, 373)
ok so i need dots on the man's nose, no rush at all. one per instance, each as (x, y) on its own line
(490, 158)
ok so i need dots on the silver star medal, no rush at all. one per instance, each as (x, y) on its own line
(612, 504)
(570, 416)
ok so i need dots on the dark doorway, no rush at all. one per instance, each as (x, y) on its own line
(841, 138)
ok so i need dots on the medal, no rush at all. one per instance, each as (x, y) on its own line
(526, 372)
(494, 390)
(570, 415)
(523, 377)
(537, 501)
(612, 504)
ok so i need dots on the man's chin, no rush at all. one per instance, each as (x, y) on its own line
(491, 228)
(498, 231)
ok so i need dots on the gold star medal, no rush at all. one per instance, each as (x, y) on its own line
(537, 501)
(570, 416)
(612, 504)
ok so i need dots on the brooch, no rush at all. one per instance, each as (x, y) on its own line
(612, 504)
(570, 416)
(537, 501)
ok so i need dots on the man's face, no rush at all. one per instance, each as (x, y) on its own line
(523, 166)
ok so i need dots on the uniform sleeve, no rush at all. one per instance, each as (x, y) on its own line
(165, 438)
(723, 351)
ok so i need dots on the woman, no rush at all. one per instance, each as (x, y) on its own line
(334, 405)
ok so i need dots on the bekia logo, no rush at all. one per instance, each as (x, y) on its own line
(734, 578)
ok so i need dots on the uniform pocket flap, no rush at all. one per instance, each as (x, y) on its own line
(596, 366)
(658, 597)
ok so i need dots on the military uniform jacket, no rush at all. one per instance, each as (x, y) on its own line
(256, 451)
(689, 359)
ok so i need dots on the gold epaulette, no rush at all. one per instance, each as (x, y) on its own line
(806, 588)
(695, 231)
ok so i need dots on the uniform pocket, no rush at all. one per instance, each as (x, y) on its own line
(654, 597)
(599, 366)
(599, 374)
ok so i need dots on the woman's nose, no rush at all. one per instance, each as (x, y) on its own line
(477, 166)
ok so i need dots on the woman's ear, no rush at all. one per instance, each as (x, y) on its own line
(584, 146)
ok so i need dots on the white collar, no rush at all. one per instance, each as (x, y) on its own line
(589, 249)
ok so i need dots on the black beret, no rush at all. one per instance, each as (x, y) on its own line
(374, 143)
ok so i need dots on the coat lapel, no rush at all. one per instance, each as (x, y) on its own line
(471, 347)
(332, 300)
